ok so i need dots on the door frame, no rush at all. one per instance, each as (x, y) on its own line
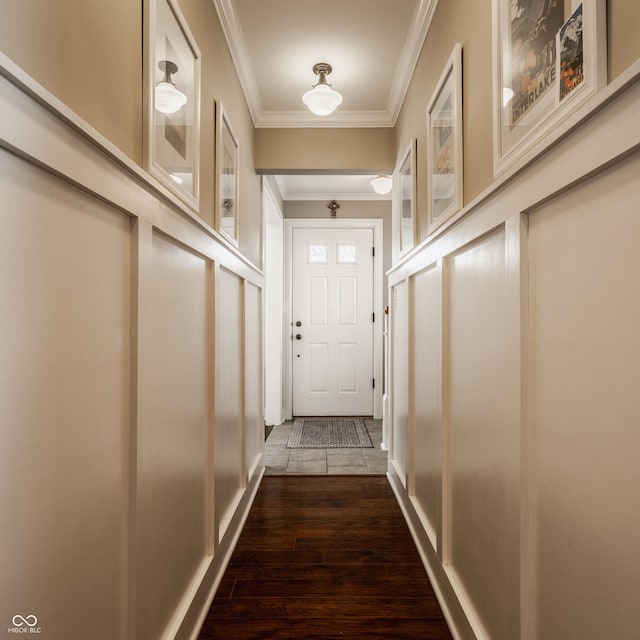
(274, 334)
(376, 225)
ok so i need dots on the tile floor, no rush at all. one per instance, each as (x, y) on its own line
(278, 460)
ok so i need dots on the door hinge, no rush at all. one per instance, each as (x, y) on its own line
(373, 251)
(373, 317)
(373, 383)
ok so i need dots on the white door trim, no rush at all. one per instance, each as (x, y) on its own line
(274, 299)
(376, 225)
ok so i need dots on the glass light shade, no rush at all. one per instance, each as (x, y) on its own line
(168, 98)
(322, 99)
(381, 184)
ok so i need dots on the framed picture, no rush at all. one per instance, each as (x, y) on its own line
(444, 140)
(405, 199)
(226, 182)
(526, 71)
(580, 46)
(172, 99)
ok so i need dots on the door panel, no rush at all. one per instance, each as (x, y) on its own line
(333, 302)
(318, 361)
(347, 302)
(347, 370)
(318, 312)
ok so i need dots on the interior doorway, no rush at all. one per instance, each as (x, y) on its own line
(339, 373)
(333, 319)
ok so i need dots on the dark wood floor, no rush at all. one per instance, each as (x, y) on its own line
(325, 557)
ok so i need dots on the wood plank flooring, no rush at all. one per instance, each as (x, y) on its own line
(325, 557)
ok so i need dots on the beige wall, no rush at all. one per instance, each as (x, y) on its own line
(89, 55)
(331, 150)
(220, 82)
(513, 414)
(470, 24)
(623, 21)
(131, 400)
(121, 427)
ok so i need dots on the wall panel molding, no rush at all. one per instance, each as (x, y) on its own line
(523, 463)
(43, 131)
(598, 138)
(164, 296)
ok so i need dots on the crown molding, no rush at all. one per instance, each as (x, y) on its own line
(240, 55)
(338, 119)
(351, 119)
(409, 57)
(346, 197)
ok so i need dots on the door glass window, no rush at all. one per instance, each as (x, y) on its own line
(317, 254)
(347, 254)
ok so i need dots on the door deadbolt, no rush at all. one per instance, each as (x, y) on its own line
(298, 324)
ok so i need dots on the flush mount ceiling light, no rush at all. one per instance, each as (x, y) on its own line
(381, 184)
(322, 99)
(168, 98)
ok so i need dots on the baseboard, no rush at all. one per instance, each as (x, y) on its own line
(451, 606)
(192, 622)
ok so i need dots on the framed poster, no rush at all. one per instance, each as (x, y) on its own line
(226, 179)
(581, 59)
(405, 199)
(526, 70)
(444, 140)
(172, 100)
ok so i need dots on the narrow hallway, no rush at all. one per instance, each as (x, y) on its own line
(325, 557)
(188, 253)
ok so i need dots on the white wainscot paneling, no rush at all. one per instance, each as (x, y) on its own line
(173, 436)
(585, 416)
(64, 405)
(483, 437)
(254, 420)
(399, 452)
(426, 352)
(229, 411)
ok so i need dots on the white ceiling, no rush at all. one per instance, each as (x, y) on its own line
(328, 187)
(372, 45)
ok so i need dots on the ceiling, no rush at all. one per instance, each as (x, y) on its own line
(372, 45)
(327, 187)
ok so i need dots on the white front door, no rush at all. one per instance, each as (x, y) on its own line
(332, 303)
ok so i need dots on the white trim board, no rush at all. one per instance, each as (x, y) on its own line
(274, 331)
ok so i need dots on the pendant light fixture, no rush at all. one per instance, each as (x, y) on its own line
(168, 99)
(381, 184)
(322, 99)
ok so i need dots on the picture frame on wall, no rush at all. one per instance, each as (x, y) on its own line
(226, 179)
(444, 143)
(405, 199)
(172, 100)
(581, 47)
(527, 65)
